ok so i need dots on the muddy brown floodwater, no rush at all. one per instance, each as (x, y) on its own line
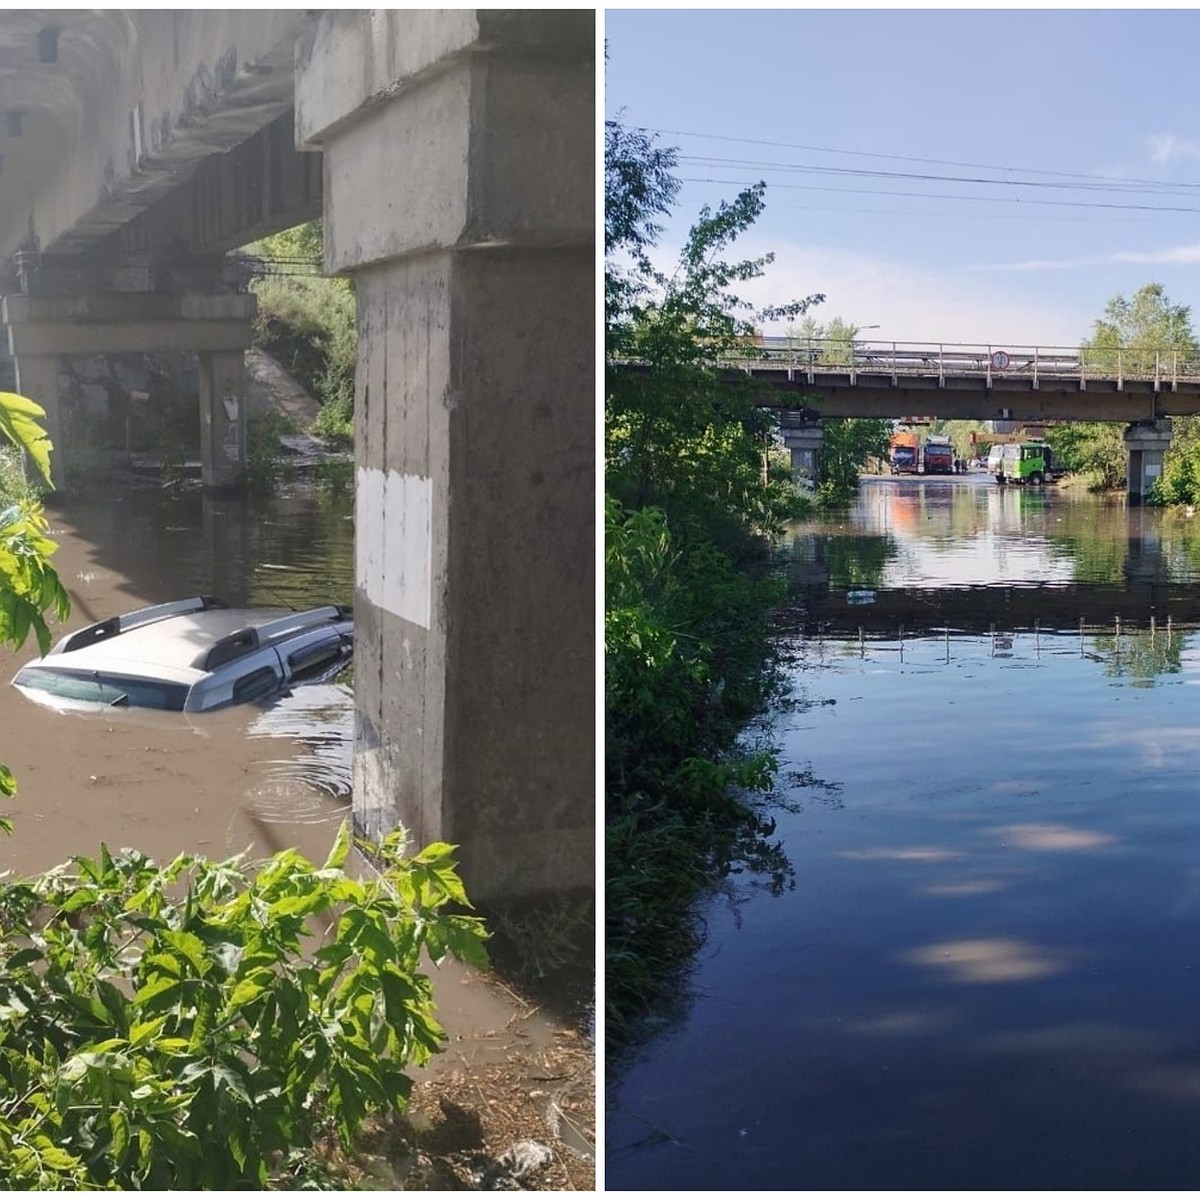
(247, 778)
(243, 778)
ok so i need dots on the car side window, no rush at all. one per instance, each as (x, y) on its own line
(314, 660)
(255, 685)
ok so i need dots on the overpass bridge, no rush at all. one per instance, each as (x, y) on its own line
(809, 379)
(452, 157)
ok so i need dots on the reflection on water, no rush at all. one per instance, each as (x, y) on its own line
(986, 974)
(216, 783)
(920, 554)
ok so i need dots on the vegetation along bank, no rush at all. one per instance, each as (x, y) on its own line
(695, 483)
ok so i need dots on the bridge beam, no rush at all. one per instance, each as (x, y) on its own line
(1146, 443)
(474, 269)
(42, 329)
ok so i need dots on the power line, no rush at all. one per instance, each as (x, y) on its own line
(938, 162)
(860, 172)
(973, 216)
(813, 187)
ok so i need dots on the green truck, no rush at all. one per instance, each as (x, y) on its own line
(1026, 462)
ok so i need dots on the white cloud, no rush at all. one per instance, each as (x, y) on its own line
(910, 304)
(1171, 256)
(1166, 147)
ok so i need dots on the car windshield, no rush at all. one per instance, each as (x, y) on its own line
(97, 688)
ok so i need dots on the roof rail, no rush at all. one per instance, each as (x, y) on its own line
(297, 620)
(231, 646)
(243, 641)
(91, 634)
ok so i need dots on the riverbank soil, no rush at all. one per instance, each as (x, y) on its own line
(512, 1101)
(508, 1106)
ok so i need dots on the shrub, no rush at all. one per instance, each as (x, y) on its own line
(186, 1026)
(309, 324)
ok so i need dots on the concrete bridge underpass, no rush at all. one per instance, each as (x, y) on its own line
(809, 379)
(452, 155)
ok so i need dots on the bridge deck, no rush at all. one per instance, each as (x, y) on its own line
(827, 378)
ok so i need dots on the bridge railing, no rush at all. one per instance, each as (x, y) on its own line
(811, 356)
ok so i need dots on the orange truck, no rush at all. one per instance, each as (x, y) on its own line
(904, 454)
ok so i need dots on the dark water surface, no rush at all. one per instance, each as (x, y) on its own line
(987, 972)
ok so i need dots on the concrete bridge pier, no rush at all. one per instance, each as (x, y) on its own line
(43, 329)
(222, 418)
(804, 442)
(459, 192)
(1146, 443)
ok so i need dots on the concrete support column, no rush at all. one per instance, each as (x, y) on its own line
(1146, 444)
(475, 445)
(222, 418)
(37, 378)
(804, 442)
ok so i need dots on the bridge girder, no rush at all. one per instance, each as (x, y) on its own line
(121, 107)
(1007, 400)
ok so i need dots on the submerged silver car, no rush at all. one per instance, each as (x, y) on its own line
(190, 655)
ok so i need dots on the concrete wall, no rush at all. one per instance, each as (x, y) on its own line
(459, 153)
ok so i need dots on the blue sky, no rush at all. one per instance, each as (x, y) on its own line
(1105, 101)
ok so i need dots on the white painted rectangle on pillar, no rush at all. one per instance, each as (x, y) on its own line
(394, 542)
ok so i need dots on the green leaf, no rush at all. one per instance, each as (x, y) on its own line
(58, 1159)
(190, 946)
(248, 990)
(144, 1031)
(292, 906)
(80, 898)
(341, 848)
(19, 417)
(118, 1124)
(158, 989)
(465, 942)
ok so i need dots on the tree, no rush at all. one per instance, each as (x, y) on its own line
(638, 189)
(1147, 329)
(676, 435)
(847, 445)
(1142, 335)
(1092, 448)
(688, 592)
(832, 342)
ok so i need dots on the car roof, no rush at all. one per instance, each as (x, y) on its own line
(181, 646)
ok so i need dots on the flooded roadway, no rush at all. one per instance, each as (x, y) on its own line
(241, 778)
(984, 972)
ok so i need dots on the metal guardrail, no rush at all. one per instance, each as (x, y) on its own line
(937, 360)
